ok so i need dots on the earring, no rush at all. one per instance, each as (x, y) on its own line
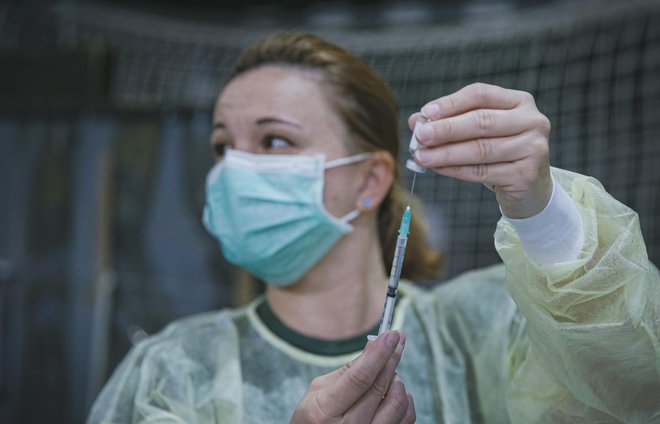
(366, 202)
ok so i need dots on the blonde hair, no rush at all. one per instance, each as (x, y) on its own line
(366, 104)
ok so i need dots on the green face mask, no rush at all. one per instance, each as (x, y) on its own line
(267, 212)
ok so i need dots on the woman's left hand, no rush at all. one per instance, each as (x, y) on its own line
(367, 390)
(494, 136)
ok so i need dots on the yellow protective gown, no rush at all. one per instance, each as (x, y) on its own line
(572, 342)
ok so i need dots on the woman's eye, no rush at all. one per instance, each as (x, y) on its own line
(277, 143)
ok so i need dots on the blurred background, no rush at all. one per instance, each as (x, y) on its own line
(105, 112)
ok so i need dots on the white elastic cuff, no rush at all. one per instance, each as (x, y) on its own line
(555, 234)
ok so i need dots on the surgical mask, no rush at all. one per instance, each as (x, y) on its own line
(267, 212)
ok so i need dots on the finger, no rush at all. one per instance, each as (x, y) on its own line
(412, 120)
(394, 406)
(494, 174)
(378, 390)
(363, 410)
(480, 123)
(475, 152)
(411, 414)
(475, 96)
(359, 377)
(326, 379)
(522, 189)
(515, 180)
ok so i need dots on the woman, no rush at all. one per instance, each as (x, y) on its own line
(304, 196)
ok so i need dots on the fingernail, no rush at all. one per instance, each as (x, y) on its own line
(424, 133)
(431, 111)
(422, 156)
(399, 350)
(391, 339)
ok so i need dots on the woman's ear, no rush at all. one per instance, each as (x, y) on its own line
(379, 179)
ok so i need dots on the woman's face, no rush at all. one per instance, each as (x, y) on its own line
(282, 110)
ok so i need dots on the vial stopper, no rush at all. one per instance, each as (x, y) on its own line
(413, 166)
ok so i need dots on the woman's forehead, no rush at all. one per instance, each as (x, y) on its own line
(277, 90)
(282, 96)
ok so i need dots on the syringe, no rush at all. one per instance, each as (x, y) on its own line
(395, 272)
(401, 242)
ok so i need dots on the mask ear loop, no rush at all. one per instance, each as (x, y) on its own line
(348, 160)
(350, 216)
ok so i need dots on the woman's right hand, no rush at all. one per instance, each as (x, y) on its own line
(367, 390)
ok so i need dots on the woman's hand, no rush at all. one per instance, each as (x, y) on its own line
(367, 390)
(488, 134)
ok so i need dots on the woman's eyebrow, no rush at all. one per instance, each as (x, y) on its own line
(262, 121)
(269, 120)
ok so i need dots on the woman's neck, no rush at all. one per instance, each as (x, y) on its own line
(341, 296)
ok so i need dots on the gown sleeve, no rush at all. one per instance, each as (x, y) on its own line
(189, 373)
(593, 323)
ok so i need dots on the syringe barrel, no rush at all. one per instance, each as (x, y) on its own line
(388, 313)
(397, 260)
(395, 272)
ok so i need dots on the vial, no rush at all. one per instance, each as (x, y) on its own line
(413, 147)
